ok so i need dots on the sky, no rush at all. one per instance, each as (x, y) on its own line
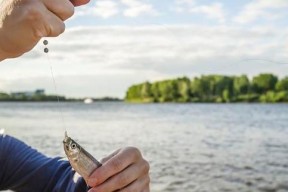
(110, 45)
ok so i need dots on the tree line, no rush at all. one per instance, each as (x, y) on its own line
(9, 97)
(5, 97)
(266, 88)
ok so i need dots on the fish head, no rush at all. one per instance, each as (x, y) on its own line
(71, 148)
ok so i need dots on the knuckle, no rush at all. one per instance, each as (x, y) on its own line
(127, 190)
(56, 30)
(62, 28)
(34, 17)
(64, 13)
(31, 13)
(148, 180)
(136, 152)
(123, 180)
(146, 166)
(116, 164)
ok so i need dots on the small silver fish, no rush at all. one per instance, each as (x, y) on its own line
(81, 161)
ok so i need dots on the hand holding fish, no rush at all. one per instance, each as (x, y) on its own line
(24, 22)
(124, 170)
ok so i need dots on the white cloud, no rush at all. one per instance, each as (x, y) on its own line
(262, 9)
(212, 11)
(186, 2)
(102, 8)
(136, 8)
(100, 61)
(106, 8)
(111, 8)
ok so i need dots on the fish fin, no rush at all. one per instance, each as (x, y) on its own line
(66, 135)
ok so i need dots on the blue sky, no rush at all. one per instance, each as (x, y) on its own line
(111, 44)
(207, 12)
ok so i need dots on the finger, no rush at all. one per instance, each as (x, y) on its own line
(114, 165)
(45, 23)
(79, 2)
(124, 178)
(140, 185)
(54, 25)
(105, 159)
(64, 9)
(146, 190)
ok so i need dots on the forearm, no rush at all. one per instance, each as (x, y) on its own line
(24, 169)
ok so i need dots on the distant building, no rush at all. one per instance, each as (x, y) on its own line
(40, 92)
(28, 94)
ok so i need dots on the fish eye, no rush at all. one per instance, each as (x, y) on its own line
(73, 146)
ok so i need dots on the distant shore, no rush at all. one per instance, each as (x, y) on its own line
(264, 88)
(4, 97)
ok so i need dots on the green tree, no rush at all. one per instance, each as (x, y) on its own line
(168, 90)
(211, 88)
(223, 84)
(155, 92)
(200, 88)
(282, 85)
(264, 82)
(134, 92)
(226, 95)
(183, 87)
(146, 90)
(241, 85)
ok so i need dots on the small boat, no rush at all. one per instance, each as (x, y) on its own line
(88, 101)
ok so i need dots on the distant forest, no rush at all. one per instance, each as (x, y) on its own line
(22, 97)
(266, 88)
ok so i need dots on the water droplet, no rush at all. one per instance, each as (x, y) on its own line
(45, 42)
(46, 50)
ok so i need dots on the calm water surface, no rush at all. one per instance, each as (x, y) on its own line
(191, 147)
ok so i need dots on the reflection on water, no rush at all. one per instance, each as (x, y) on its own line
(191, 147)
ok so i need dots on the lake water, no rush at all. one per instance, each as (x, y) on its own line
(191, 147)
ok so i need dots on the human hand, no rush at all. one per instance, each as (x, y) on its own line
(124, 170)
(24, 22)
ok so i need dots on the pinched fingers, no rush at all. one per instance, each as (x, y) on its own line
(53, 17)
(140, 185)
(63, 9)
(25, 22)
(114, 165)
(40, 18)
(54, 26)
(47, 25)
(134, 178)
